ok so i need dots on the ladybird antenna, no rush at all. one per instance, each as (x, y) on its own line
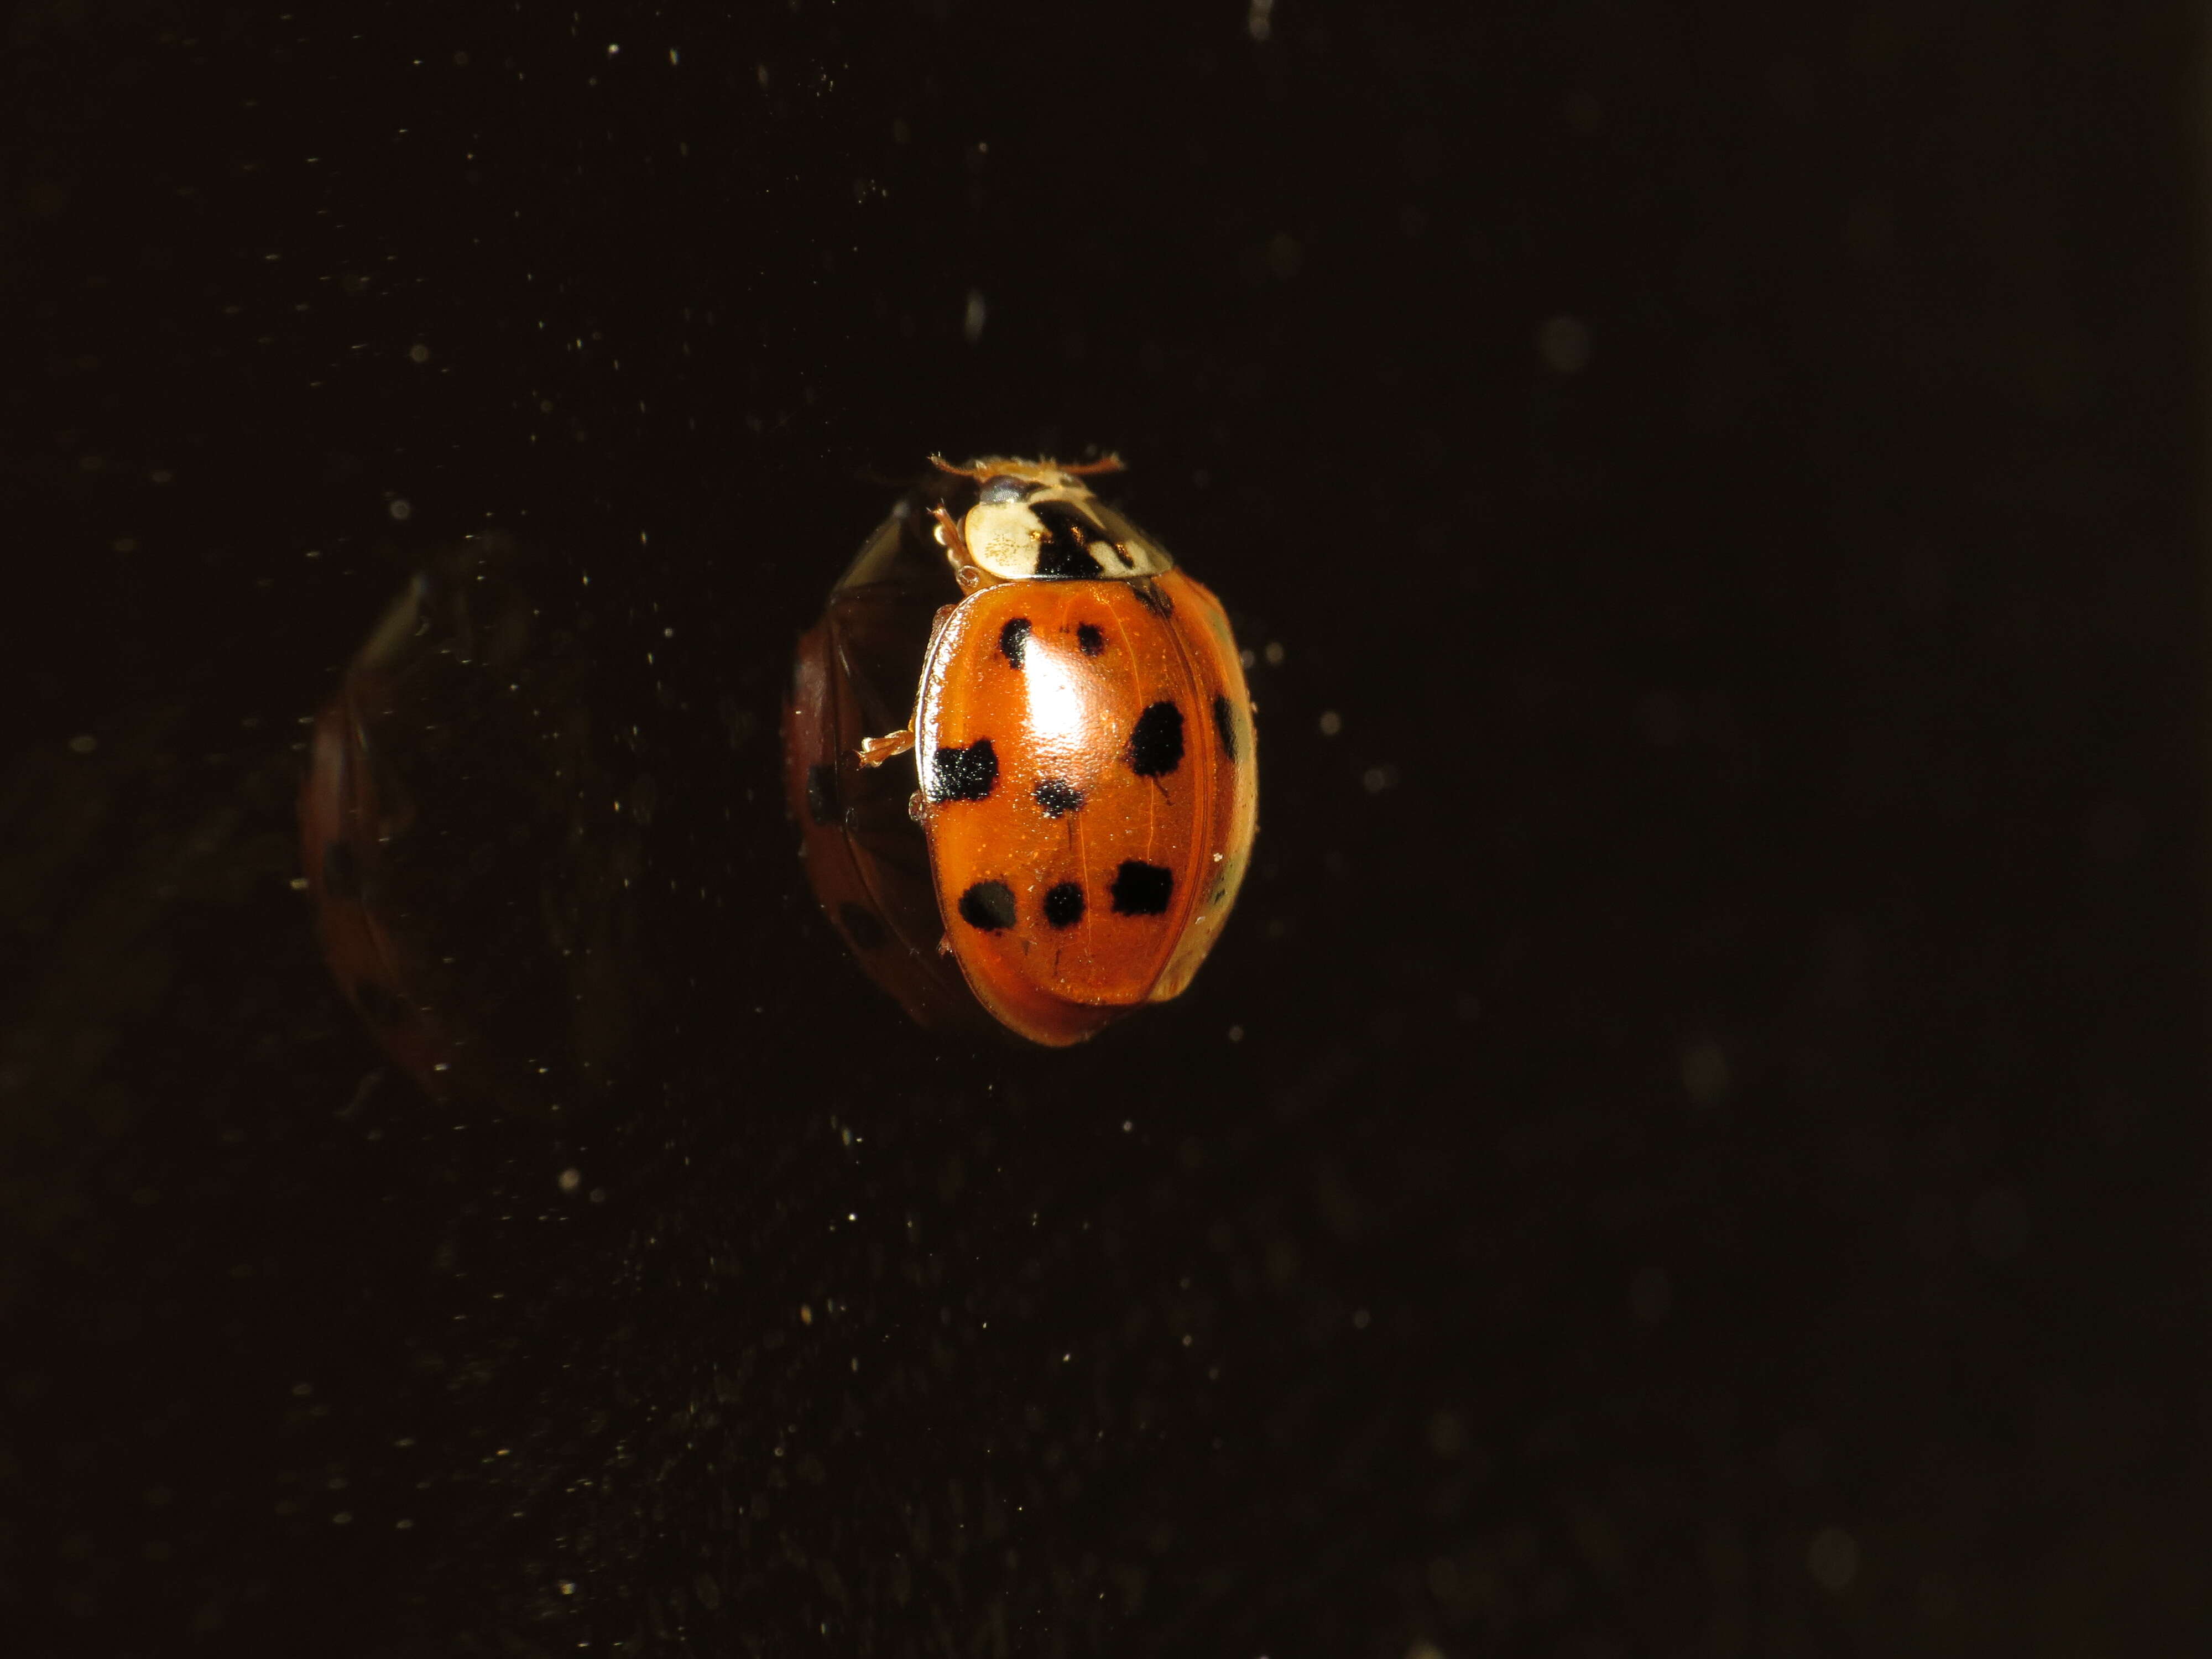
(980, 470)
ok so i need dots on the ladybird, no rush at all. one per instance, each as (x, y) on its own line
(1084, 746)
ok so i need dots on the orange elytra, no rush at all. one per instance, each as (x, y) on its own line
(1082, 739)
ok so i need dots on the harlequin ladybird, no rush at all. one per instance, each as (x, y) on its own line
(1084, 743)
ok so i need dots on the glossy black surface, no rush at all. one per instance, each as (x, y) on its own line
(1693, 1142)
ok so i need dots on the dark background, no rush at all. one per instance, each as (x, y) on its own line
(1693, 1142)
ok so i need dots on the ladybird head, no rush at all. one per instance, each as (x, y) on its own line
(1038, 521)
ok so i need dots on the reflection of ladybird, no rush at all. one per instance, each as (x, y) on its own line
(351, 809)
(469, 837)
(1084, 742)
(865, 857)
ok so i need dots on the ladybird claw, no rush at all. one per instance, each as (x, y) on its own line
(874, 751)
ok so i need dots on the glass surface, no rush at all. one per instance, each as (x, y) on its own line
(1692, 1139)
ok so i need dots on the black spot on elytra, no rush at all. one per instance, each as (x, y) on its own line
(1063, 905)
(1054, 797)
(1141, 889)
(862, 925)
(379, 1004)
(963, 773)
(1224, 726)
(341, 871)
(988, 905)
(821, 793)
(1065, 555)
(997, 492)
(1156, 744)
(1149, 595)
(1089, 640)
(1014, 641)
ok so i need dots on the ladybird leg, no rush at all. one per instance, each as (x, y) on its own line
(948, 534)
(949, 537)
(874, 751)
